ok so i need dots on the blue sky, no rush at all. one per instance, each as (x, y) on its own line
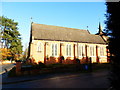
(67, 14)
(55, 0)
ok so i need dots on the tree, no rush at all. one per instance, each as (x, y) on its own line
(5, 53)
(113, 30)
(10, 36)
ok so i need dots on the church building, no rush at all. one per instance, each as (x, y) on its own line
(54, 44)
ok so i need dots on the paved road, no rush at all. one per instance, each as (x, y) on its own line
(91, 80)
(5, 66)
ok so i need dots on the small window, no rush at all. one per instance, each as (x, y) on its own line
(81, 51)
(68, 50)
(101, 51)
(54, 49)
(39, 47)
(92, 51)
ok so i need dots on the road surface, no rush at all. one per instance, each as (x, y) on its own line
(84, 80)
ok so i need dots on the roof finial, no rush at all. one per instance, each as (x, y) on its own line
(31, 20)
(87, 27)
(88, 30)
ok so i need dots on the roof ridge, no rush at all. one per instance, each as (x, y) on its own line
(61, 27)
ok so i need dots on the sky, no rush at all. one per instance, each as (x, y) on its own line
(66, 14)
(55, 0)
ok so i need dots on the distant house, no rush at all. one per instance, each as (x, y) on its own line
(55, 44)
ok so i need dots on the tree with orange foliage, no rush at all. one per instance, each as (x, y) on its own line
(5, 53)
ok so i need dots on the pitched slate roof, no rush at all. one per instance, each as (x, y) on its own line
(49, 32)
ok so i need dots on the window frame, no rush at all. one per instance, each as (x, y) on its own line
(39, 48)
(54, 49)
(68, 50)
(81, 50)
(92, 51)
(101, 51)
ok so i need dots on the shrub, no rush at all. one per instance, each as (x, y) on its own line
(41, 65)
(62, 57)
(78, 60)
